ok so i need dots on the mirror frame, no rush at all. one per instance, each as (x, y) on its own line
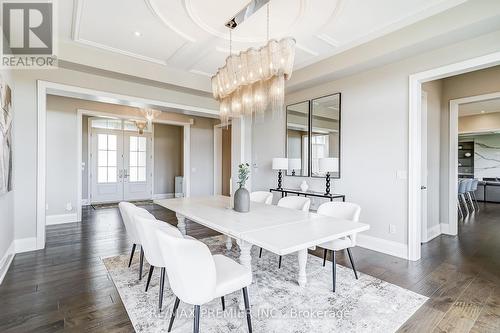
(309, 133)
(308, 136)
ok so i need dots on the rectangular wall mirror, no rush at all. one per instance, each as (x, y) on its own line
(325, 133)
(313, 133)
(297, 139)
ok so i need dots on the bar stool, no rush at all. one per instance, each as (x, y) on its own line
(475, 182)
(464, 211)
(468, 196)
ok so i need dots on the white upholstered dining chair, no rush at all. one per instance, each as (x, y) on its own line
(345, 211)
(262, 197)
(126, 209)
(147, 230)
(297, 203)
(197, 277)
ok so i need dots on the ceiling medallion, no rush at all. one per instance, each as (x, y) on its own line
(255, 78)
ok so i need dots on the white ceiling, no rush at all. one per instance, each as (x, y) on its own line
(189, 35)
(483, 107)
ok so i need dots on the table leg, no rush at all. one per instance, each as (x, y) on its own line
(302, 256)
(229, 243)
(245, 256)
(181, 223)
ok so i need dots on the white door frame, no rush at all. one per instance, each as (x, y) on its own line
(58, 89)
(424, 220)
(218, 158)
(414, 139)
(453, 153)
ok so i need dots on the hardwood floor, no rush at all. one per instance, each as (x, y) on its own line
(65, 287)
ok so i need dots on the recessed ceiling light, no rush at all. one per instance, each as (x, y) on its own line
(483, 111)
(137, 34)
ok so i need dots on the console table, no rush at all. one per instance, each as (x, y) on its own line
(284, 192)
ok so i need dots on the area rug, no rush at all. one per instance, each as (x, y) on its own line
(278, 303)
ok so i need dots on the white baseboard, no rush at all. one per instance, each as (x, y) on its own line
(60, 219)
(25, 244)
(7, 260)
(433, 232)
(396, 249)
(445, 229)
(163, 196)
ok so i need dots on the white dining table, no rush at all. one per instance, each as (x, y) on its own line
(276, 229)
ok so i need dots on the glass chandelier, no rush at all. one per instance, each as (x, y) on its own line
(254, 79)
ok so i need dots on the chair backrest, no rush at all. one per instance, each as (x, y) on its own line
(295, 202)
(341, 210)
(147, 229)
(461, 186)
(125, 209)
(475, 182)
(190, 268)
(262, 197)
(470, 183)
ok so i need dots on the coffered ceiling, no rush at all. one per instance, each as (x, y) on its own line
(190, 36)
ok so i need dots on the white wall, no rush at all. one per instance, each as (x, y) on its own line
(25, 131)
(202, 157)
(7, 203)
(374, 137)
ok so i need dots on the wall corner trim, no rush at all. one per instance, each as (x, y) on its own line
(60, 219)
(392, 248)
(25, 244)
(6, 260)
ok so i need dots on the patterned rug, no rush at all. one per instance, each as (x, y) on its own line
(278, 304)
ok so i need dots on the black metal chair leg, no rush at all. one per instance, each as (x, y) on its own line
(260, 253)
(334, 270)
(162, 285)
(196, 328)
(174, 310)
(279, 264)
(324, 257)
(151, 268)
(352, 263)
(247, 309)
(131, 255)
(141, 263)
(223, 303)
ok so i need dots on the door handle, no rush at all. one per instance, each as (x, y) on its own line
(423, 187)
(125, 171)
(120, 174)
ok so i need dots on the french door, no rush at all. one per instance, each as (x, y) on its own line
(120, 165)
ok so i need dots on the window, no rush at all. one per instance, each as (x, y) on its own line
(106, 158)
(106, 123)
(137, 163)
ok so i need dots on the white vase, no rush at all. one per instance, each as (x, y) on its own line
(304, 186)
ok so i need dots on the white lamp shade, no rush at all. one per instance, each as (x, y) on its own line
(280, 163)
(294, 164)
(329, 164)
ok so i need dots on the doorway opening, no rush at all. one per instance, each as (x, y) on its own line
(222, 159)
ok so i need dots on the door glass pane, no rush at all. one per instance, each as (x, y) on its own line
(102, 158)
(142, 144)
(141, 174)
(102, 141)
(133, 174)
(141, 159)
(133, 143)
(106, 158)
(111, 174)
(133, 158)
(102, 175)
(112, 158)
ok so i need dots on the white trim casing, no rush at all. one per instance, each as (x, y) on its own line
(414, 140)
(62, 218)
(7, 260)
(26, 244)
(163, 196)
(395, 249)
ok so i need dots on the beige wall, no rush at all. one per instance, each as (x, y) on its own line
(168, 153)
(434, 92)
(479, 123)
